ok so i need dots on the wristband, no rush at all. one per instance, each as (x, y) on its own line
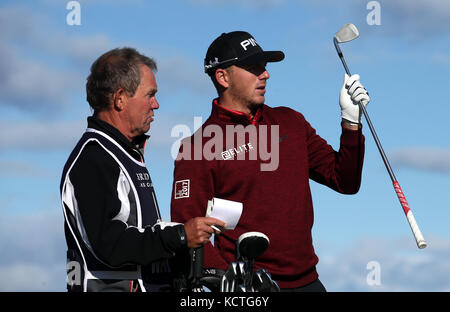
(351, 123)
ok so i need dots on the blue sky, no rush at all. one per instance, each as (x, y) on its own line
(404, 63)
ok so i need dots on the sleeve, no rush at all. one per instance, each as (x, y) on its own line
(94, 178)
(340, 170)
(193, 186)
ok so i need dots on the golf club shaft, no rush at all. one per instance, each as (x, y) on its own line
(421, 243)
(369, 122)
(377, 141)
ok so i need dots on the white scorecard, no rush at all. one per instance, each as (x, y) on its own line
(226, 210)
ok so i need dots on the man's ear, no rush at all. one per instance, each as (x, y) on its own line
(222, 77)
(119, 99)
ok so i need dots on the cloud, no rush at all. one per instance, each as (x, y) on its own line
(422, 158)
(178, 72)
(402, 267)
(259, 4)
(28, 29)
(17, 168)
(40, 64)
(416, 20)
(32, 246)
(441, 58)
(81, 50)
(36, 135)
(33, 86)
(31, 277)
(54, 135)
(426, 14)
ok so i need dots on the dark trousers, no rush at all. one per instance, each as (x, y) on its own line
(315, 286)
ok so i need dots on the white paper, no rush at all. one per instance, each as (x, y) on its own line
(226, 210)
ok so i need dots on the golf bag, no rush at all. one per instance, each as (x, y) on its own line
(240, 275)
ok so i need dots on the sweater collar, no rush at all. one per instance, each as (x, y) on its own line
(225, 114)
(138, 143)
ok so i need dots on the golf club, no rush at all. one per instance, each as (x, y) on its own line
(347, 33)
(240, 276)
(249, 246)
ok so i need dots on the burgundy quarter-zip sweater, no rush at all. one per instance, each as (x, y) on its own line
(272, 184)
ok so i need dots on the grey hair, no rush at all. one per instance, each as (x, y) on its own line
(115, 69)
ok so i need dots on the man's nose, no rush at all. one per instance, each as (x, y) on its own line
(264, 75)
(154, 103)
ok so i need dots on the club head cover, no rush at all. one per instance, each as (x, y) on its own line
(251, 245)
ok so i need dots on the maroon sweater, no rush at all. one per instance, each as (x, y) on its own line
(277, 201)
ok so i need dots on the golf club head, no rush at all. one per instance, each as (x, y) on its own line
(348, 32)
(251, 245)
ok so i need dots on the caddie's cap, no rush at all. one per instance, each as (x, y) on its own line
(236, 48)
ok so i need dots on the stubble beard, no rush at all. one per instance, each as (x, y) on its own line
(246, 101)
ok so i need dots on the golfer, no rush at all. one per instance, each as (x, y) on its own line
(274, 190)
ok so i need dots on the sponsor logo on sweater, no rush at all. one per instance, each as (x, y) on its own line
(229, 142)
(182, 189)
(229, 154)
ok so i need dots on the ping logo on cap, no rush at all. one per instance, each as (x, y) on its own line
(247, 42)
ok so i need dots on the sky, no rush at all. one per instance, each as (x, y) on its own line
(363, 241)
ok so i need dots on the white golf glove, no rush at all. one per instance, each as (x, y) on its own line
(352, 92)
